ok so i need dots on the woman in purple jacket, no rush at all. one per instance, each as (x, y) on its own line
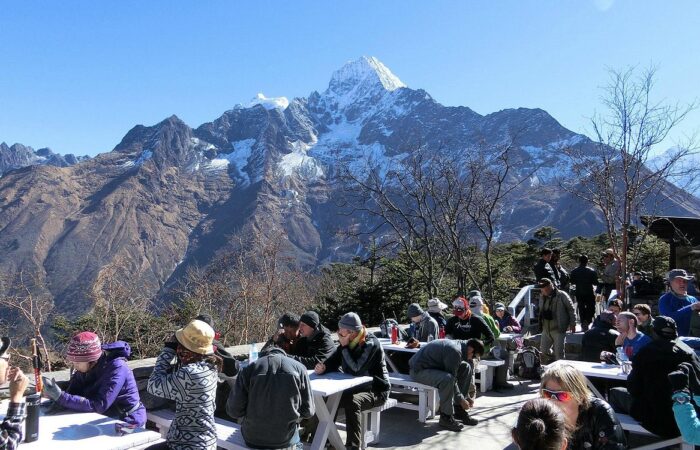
(101, 382)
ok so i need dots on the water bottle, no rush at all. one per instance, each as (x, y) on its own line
(441, 333)
(621, 356)
(31, 426)
(394, 334)
(253, 353)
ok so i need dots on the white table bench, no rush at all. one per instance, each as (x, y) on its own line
(630, 424)
(371, 422)
(228, 434)
(486, 370)
(427, 395)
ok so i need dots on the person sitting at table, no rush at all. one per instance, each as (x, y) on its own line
(359, 354)
(644, 318)
(101, 382)
(677, 304)
(466, 325)
(425, 327)
(648, 394)
(685, 384)
(599, 338)
(191, 383)
(506, 322)
(287, 335)
(480, 309)
(435, 308)
(592, 421)
(271, 396)
(615, 305)
(316, 343)
(629, 339)
(540, 426)
(13, 425)
(444, 364)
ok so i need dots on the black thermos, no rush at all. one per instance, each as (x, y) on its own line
(31, 430)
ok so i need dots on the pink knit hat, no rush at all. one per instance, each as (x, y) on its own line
(84, 347)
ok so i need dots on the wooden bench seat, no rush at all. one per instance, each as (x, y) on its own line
(427, 395)
(631, 425)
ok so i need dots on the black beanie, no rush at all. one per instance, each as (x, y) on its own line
(289, 320)
(310, 318)
(665, 328)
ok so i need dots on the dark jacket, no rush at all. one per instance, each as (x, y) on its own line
(108, 388)
(367, 359)
(597, 429)
(543, 270)
(601, 337)
(230, 366)
(439, 318)
(271, 395)
(473, 327)
(649, 386)
(584, 277)
(311, 350)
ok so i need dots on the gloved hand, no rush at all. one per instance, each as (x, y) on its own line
(51, 389)
(679, 379)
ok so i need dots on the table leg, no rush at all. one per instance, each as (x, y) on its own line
(325, 411)
(593, 389)
(391, 364)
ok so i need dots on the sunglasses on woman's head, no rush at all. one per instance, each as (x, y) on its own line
(560, 396)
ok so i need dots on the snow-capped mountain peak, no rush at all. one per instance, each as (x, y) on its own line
(269, 103)
(363, 71)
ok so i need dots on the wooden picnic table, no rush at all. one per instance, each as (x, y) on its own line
(83, 431)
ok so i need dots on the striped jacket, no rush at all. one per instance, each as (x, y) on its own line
(11, 428)
(193, 387)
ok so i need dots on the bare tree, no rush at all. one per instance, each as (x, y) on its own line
(619, 177)
(23, 296)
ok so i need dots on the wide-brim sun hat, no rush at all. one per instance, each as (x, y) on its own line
(197, 337)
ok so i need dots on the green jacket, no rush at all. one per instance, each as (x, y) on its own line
(563, 315)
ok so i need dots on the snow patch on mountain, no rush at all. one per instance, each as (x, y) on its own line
(366, 68)
(269, 103)
(237, 159)
(298, 161)
(138, 162)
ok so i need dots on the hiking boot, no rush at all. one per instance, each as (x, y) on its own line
(450, 423)
(463, 416)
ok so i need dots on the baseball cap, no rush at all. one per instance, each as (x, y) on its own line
(679, 273)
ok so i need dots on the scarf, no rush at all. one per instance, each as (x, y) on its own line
(359, 340)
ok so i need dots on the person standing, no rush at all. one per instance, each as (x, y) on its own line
(677, 304)
(543, 269)
(585, 278)
(560, 273)
(556, 316)
(12, 426)
(611, 273)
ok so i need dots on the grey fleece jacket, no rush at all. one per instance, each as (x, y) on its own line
(443, 354)
(271, 395)
(426, 327)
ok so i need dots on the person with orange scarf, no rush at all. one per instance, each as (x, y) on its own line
(359, 354)
(466, 325)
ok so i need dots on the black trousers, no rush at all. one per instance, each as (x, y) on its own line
(161, 446)
(354, 403)
(586, 309)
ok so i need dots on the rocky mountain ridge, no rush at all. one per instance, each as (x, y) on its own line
(170, 197)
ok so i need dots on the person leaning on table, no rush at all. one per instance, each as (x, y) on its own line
(13, 425)
(359, 354)
(191, 382)
(592, 421)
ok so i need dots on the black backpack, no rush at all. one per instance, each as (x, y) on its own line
(528, 364)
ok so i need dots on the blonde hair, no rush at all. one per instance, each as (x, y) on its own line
(570, 379)
(485, 309)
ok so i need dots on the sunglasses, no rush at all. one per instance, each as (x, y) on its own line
(560, 396)
(458, 309)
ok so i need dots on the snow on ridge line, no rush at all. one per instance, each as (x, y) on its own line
(269, 103)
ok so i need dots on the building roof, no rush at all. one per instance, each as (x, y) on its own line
(683, 231)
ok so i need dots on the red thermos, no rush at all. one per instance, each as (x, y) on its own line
(395, 334)
(441, 332)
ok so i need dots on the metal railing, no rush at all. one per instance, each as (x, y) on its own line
(523, 300)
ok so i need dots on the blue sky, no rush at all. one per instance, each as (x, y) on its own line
(77, 75)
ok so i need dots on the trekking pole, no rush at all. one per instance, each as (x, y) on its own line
(36, 364)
